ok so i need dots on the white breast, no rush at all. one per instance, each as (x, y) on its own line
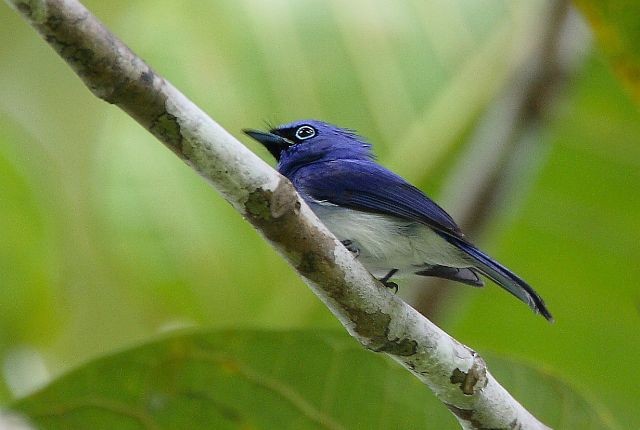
(387, 242)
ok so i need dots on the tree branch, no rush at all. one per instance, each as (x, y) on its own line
(374, 316)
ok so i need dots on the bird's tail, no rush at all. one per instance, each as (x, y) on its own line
(503, 276)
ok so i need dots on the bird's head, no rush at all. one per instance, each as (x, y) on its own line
(305, 141)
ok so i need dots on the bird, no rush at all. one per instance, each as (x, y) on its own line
(391, 226)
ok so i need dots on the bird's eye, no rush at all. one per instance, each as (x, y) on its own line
(305, 132)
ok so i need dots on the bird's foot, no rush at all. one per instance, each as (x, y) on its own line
(387, 283)
(391, 285)
(351, 247)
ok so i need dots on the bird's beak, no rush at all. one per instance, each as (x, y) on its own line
(263, 137)
(274, 143)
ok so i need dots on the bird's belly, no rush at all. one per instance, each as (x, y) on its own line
(386, 242)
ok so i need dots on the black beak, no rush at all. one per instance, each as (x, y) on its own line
(274, 143)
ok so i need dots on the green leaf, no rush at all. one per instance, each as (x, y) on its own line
(265, 380)
(549, 396)
(617, 27)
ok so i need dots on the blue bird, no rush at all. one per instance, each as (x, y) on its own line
(390, 225)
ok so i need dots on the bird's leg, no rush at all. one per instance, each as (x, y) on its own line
(387, 283)
(351, 247)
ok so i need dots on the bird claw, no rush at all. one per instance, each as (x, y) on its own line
(387, 283)
(391, 285)
(351, 247)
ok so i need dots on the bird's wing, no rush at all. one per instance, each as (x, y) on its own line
(367, 186)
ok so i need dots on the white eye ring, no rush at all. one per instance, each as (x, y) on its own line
(305, 132)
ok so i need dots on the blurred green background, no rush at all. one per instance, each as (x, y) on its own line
(106, 238)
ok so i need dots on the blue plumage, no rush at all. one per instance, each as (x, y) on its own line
(390, 224)
(365, 185)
